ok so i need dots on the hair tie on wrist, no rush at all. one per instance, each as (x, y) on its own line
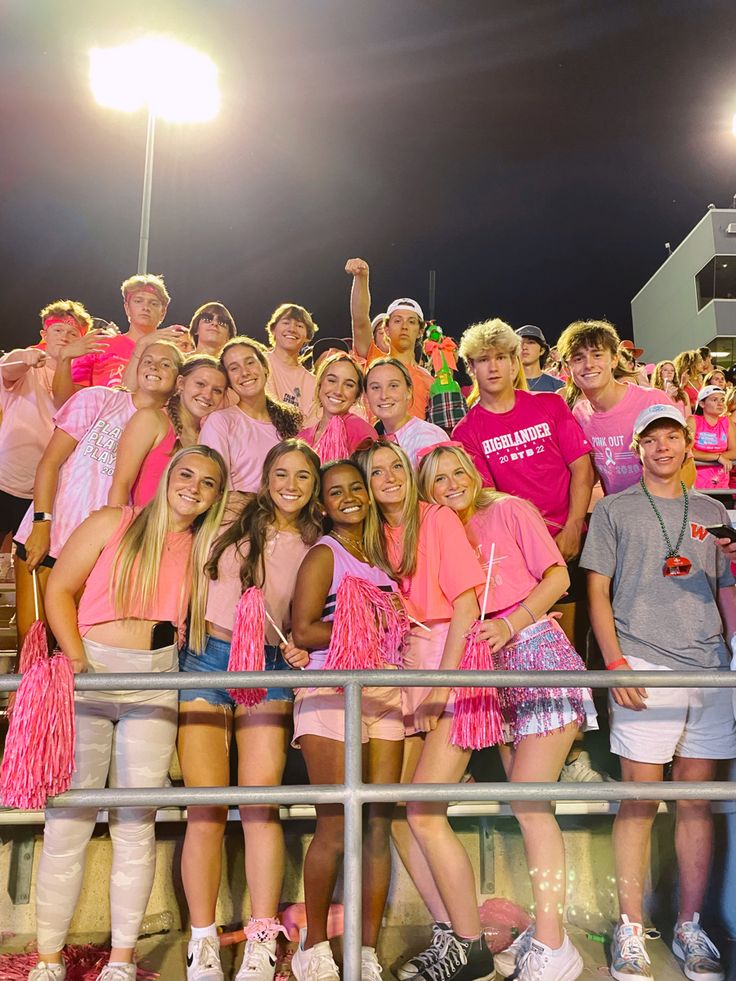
(534, 619)
(509, 624)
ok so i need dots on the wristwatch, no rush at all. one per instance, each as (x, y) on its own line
(42, 516)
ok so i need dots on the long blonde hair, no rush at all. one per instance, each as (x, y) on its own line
(137, 560)
(374, 533)
(483, 497)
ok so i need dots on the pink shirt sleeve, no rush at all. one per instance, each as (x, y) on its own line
(82, 368)
(528, 528)
(358, 430)
(464, 432)
(78, 414)
(214, 433)
(457, 565)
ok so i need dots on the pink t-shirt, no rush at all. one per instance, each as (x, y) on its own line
(27, 425)
(415, 434)
(711, 439)
(356, 430)
(106, 367)
(294, 385)
(282, 557)
(524, 550)
(527, 451)
(447, 565)
(95, 418)
(611, 432)
(243, 443)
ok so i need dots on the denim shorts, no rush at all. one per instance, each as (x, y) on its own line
(214, 658)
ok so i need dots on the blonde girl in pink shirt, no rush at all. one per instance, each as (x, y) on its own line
(424, 548)
(139, 573)
(528, 577)
(339, 430)
(152, 436)
(244, 433)
(263, 547)
(75, 472)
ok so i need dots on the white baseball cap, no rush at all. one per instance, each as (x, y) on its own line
(405, 304)
(709, 390)
(656, 413)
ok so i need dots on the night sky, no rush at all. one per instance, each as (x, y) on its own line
(536, 155)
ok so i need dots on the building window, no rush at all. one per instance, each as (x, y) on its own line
(716, 280)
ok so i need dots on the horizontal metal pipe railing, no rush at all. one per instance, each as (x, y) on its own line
(388, 678)
(353, 794)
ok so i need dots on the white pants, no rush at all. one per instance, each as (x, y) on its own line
(130, 742)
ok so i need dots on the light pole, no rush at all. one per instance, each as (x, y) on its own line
(173, 82)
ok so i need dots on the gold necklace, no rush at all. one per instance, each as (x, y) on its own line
(348, 543)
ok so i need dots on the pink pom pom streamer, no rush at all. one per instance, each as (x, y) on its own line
(83, 963)
(368, 631)
(477, 722)
(247, 646)
(39, 749)
(35, 646)
(333, 443)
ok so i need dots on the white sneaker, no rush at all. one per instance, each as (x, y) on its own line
(315, 964)
(629, 958)
(581, 771)
(48, 972)
(203, 960)
(506, 961)
(370, 969)
(441, 933)
(118, 972)
(259, 960)
(541, 963)
(699, 955)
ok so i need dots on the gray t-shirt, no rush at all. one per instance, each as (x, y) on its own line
(545, 383)
(673, 621)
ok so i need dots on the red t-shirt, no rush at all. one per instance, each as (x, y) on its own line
(527, 451)
(107, 367)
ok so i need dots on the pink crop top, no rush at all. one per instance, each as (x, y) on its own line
(152, 470)
(172, 593)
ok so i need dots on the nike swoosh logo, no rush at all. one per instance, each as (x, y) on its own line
(190, 960)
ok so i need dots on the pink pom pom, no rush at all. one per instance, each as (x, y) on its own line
(502, 922)
(368, 631)
(247, 647)
(333, 443)
(35, 646)
(39, 749)
(477, 722)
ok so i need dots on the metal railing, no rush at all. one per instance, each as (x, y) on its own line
(353, 794)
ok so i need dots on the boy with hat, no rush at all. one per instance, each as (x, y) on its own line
(534, 351)
(404, 327)
(648, 553)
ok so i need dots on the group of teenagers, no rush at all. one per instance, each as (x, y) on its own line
(166, 486)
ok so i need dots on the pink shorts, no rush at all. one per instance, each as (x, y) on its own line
(321, 712)
(424, 652)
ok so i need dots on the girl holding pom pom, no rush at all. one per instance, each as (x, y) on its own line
(339, 431)
(140, 570)
(322, 598)
(530, 577)
(424, 547)
(260, 552)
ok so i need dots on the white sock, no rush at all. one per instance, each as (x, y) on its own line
(199, 933)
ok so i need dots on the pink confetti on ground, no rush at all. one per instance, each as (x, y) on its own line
(83, 963)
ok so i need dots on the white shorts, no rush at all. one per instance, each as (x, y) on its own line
(694, 723)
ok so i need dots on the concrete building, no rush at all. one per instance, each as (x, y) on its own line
(691, 300)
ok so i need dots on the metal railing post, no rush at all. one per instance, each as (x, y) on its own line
(353, 817)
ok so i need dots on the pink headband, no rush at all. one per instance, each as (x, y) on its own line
(426, 450)
(145, 289)
(66, 319)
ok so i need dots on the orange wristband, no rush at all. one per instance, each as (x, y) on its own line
(617, 664)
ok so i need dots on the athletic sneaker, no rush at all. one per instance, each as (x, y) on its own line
(48, 972)
(629, 958)
(698, 953)
(259, 961)
(441, 933)
(203, 960)
(507, 961)
(541, 963)
(370, 969)
(463, 960)
(315, 964)
(581, 770)
(118, 972)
